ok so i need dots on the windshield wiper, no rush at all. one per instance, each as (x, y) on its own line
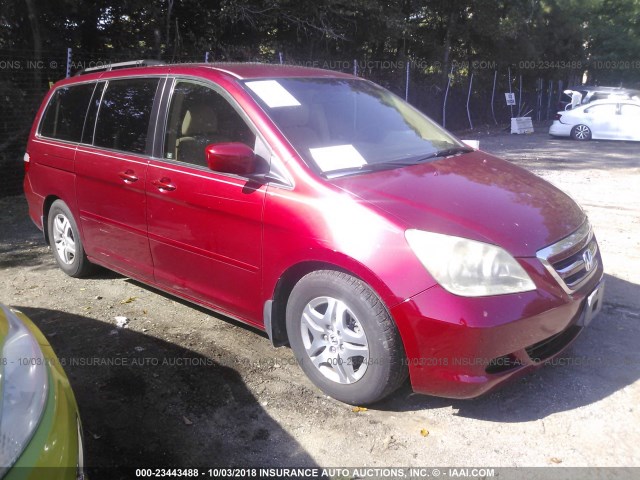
(406, 162)
(445, 152)
(369, 167)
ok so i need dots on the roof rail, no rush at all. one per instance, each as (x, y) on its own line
(113, 66)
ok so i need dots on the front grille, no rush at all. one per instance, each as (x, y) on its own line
(573, 260)
(573, 269)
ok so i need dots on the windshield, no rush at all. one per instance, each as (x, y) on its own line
(350, 125)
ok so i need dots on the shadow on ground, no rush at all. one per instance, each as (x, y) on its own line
(603, 360)
(149, 403)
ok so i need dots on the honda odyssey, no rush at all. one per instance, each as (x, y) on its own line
(321, 209)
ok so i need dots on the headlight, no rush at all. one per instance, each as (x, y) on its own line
(24, 385)
(468, 268)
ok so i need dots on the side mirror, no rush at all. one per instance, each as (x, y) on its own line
(236, 158)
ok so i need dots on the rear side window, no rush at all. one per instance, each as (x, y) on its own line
(606, 109)
(123, 117)
(64, 116)
(92, 113)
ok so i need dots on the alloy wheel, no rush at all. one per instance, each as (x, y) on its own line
(334, 340)
(64, 239)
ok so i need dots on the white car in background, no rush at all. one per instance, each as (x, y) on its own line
(611, 119)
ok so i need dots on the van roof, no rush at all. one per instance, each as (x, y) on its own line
(241, 71)
(265, 70)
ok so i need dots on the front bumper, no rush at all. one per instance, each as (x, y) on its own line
(55, 451)
(460, 347)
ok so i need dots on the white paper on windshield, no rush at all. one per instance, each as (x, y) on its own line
(337, 157)
(273, 94)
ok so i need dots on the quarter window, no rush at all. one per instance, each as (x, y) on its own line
(64, 117)
(123, 117)
(199, 116)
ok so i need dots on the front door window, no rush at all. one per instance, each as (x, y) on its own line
(199, 116)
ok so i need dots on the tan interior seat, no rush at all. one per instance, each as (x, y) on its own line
(199, 129)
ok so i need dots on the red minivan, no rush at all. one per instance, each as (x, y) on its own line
(322, 209)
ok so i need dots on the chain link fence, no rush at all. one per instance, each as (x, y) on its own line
(465, 97)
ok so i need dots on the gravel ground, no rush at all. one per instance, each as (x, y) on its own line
(197, 389)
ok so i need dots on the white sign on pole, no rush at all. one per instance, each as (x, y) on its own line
(511, 98)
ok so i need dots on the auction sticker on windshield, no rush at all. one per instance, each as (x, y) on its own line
(273, 94)
(337, 157)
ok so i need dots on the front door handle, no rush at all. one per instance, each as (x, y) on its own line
(163, 184)
(128, 176)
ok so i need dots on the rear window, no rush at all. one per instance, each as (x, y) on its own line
(123, 117)
(64, 116)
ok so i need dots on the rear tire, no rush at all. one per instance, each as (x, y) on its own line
(65, 241)
(581, 132)
(344, 339)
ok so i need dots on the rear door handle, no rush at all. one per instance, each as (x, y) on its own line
(128, 176)
(163, 184)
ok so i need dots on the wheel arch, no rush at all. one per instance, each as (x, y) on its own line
(46, 207)
(275, 307)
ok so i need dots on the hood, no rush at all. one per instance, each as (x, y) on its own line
(475, 196)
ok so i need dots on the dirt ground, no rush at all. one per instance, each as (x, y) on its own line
(197, 389)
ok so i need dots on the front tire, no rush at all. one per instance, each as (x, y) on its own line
(65, 241)
(344, 339)
(581, 132)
